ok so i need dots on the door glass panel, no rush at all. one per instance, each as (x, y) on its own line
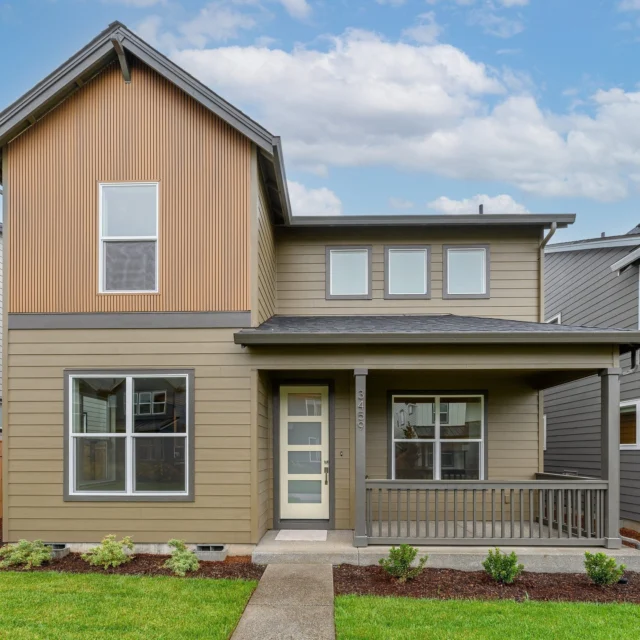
(460, 461)
(460, 418)
(413, 418)
(414, 460)
(305, 404)
(302, 433)
(305, 462)
(305, 491)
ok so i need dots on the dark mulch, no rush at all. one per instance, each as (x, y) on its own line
(444, 584)
(630, 533)
(143, 564)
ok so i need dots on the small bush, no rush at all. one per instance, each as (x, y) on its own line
(24, 554)
(182, 560)
(502, 567)
(109, 553)
(602, 569)
(399, 562)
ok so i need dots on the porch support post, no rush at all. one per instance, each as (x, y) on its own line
(610, 452)
(360, 535)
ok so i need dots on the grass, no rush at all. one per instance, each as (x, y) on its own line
(376, 618)
(56, 606)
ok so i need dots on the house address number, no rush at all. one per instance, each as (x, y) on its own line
(360, 408)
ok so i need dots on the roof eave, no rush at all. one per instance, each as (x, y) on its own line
(252, 337)
(562, 220)
(627, 261)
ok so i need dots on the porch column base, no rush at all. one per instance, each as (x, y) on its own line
(613, 543)
(360, 541)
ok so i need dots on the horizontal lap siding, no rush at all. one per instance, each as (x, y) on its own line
(514, 272)
(265, 455)
(109, 131)
(222, 508)
(513, 420)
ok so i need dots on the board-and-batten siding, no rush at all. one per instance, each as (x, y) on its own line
(581, 286)
(513, 419)
(515, 260)
(266, 260)
(109, 131)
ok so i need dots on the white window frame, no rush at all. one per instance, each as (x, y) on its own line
(128, 435)
(367, 250)
(486, 271)
(437, 441)
(636, 446)
(388, 259)
(102, 239)
(557, 319)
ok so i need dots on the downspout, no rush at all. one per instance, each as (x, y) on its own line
(634, 363)
(543, 244)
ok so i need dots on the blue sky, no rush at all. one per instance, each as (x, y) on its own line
(392, 106)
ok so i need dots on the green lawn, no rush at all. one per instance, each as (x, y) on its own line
(54, 606)
(375, 618)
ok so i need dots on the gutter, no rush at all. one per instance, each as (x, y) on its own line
(550, 234)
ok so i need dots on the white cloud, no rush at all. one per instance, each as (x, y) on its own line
(495, 24)
(629, 5)
(300, 9)
(426, 30)
(137, 3)
(400, 203)
(313, 202)
(365, 101)
(497, 204)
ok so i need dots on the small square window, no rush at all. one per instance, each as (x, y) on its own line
(407, 272)
(629, 425)
(466, 272)
(349, 273)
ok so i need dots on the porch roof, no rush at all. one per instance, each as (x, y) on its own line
(426, 329)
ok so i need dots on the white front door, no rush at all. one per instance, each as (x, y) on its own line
(304, 453)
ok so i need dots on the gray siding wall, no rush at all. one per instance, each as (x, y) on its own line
(581, 286)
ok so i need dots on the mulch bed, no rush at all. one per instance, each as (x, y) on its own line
(445, 584)
(630, 533)
(143, 564)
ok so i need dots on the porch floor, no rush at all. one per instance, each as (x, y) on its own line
(339, 549)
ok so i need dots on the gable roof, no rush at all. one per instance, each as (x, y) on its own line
(629, 239)
(104, 49)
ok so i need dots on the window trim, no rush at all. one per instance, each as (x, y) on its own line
(557, 319)
(484, 440)
(387, 272)
(632, 403)
(102, 239)
(445, 272)
(187, 496)
(348, 247)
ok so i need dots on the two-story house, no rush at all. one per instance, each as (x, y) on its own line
(186, 358)
(594, 282)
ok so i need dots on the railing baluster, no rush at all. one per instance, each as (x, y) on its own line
(417, 513)
(598, 515)
(379, 513)
(388, 513)
(446, 513)
(540, 511)
(587, 515)
(569, 513)
(493, 513)
(560, 493)
(502, 500)
(455, 513)
(579, 507)
(549, 511)
(521, 513)
(398, 513)
(426, 511)
(437, 532)
(474, 513)
(484, 519)
(408, 513)
(511, 504)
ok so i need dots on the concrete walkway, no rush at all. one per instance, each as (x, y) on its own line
(292, 602)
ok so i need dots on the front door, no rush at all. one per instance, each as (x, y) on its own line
(304, 453)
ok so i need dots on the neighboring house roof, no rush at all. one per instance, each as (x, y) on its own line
(425, 329)
(629, 260)
(110, 45)
(629, 239)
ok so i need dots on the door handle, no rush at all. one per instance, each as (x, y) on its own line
(326, 472)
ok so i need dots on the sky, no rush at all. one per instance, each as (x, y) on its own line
(399, 106)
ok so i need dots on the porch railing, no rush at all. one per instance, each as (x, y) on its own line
(562, 512)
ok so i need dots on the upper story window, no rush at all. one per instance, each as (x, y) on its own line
(129, 238)
(407, 272)
(348, 273)
(466, 272)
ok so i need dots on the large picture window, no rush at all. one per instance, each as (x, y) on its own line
(129, 238)
(437, 437)
(129, 434)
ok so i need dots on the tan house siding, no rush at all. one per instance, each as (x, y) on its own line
(37, 359)
(266, 260)
(110, 131)
(265, 454)
(515, 259)
(512, 420)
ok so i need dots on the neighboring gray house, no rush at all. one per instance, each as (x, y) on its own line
(594, 283)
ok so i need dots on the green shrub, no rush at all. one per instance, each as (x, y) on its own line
(182, 560)
(502, 567)
(399, 562)
(109, 553)
(602, 569)
(24, 554)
